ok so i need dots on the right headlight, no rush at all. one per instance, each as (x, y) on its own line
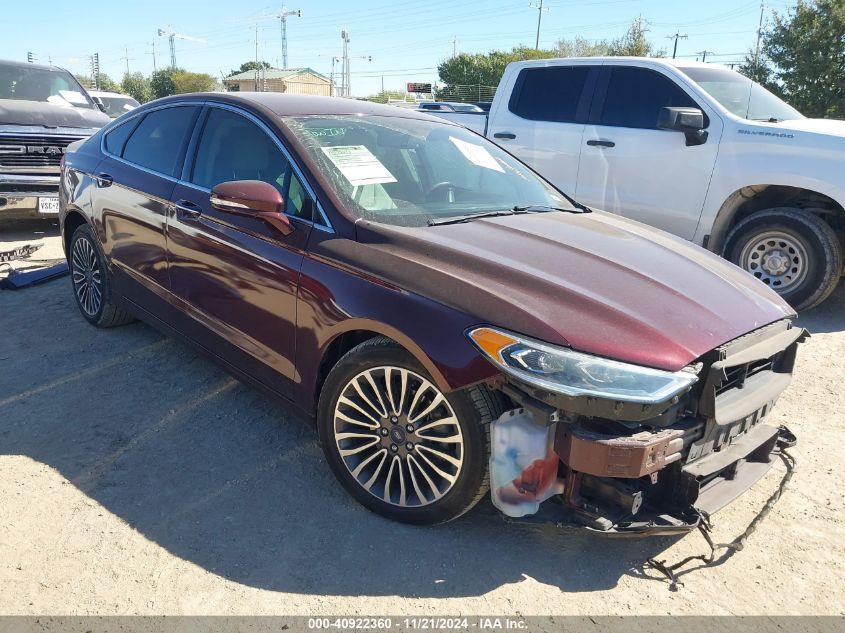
(562, 370)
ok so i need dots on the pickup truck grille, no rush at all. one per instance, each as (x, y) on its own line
(33, 150)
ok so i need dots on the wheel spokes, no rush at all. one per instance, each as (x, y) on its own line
(398, 436)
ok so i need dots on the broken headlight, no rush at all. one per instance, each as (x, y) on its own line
(572, 373)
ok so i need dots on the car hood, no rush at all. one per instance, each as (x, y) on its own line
(829, 127)
(17, 112)
(593, 281)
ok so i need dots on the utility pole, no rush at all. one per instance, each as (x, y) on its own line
(540, 10)
(704, 54)
(95, 70)
(283, 16)
(759, 37)
(127, 59)
(30, 57)
(345, 91)
(455, 46)
(153, 53)
(676, 37)
(332, 86)
(256, 58)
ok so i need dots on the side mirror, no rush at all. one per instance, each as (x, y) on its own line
(99, 103)
(690, 121)
(252, 198)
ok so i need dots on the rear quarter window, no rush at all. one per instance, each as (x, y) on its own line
(115, 138)
(549, 94)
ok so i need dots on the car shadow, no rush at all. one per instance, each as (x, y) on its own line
(226, 478)
(827, 317)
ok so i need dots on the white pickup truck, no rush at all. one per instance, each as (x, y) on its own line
(695, 149)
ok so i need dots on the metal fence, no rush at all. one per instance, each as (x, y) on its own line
(466, 93)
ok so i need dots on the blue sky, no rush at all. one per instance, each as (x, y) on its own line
(406, 38)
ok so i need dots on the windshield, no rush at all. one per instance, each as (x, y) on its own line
(741, 96)
(409, 172)
(115, 106)
(30, 83)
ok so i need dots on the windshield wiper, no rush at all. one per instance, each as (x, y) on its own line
(541, 208)
(457, 219)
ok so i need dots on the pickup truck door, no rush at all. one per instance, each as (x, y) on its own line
(630, 167)
(543, 121)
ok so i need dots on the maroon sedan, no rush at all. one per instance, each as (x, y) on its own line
(451, 321)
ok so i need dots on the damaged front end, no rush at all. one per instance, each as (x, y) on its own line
(645, 468)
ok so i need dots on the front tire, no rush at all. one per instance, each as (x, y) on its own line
(400, 446)
(793, 251)
(90, 280)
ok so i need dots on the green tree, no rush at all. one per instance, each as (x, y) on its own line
(107, 83)
(161, 83)
(582, 47)
(485, 69)
(805, 53)
(185, 81)
(635, 43)
(247, 66)
(137, 86)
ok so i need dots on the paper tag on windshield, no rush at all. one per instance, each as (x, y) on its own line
(358, 165)
(72, 96)
(477, 154)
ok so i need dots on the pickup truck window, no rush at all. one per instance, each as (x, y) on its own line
(741, 96)
(549, 94)
(25, 82)
(635, 96)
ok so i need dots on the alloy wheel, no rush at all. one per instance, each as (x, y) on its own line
(398, 436)
(775, 258)
(86, 276)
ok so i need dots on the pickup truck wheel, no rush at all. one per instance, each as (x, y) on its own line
(90, 279)
(398, 444)
(793, 251)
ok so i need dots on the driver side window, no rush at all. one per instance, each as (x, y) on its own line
(233, 148)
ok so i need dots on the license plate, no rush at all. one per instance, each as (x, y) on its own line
(48, 206)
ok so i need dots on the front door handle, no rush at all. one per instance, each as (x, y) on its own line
(103, 180)
(601, 143)
(507, 135)
(187, 210)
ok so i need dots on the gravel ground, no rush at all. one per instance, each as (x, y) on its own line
(138, 478)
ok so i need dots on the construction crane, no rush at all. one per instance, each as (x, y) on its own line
(172, 35)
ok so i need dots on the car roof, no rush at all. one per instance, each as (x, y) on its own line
(284, 105)
(14, 62)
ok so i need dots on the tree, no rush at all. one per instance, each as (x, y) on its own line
(137, 86)
(582, 47)
(485, 69)
(161, 83)
(107, 83)
(185, 81)
(248, 66)
(635, 43)
(805, 53)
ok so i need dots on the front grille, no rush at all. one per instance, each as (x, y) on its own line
(736, 376)
(33, 150)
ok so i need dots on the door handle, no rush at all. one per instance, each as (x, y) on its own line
(600, 143)
(187, 210)
(507, 135)
(103, 180)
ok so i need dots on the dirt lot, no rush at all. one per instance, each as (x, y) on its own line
(138, 478)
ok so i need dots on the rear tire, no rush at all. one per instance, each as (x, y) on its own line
(89, 277)
(793, 251)
(409, 467)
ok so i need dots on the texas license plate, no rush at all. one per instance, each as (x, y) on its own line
(48, 206)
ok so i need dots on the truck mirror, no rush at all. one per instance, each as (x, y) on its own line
(690, 121)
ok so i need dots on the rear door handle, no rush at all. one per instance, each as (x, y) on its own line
(600, 143)
(507, 135)
(187, 210)
(103, 180)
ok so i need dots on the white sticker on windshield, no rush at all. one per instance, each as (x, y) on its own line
(358, 165)
(477, 154)
(72, 96)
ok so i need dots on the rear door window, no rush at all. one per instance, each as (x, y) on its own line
(635, 96)
(549, 94)
(158, 142)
